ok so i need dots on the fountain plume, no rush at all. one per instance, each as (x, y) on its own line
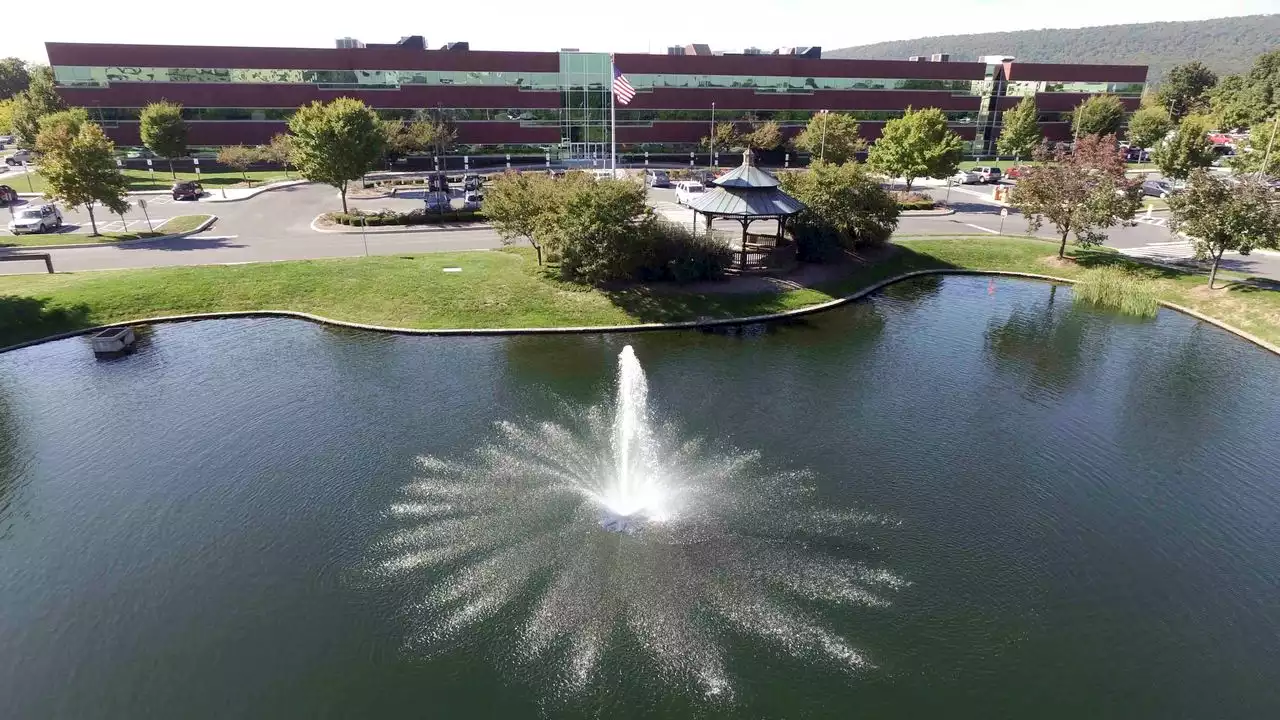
(606, 522)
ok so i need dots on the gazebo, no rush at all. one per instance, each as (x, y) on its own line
(747, 193)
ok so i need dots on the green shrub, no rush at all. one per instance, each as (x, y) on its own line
(671, 251)
(1117, 289)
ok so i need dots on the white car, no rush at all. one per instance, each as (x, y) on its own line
(966, 177)
(688, 190)
(35, 219)
(19, 157)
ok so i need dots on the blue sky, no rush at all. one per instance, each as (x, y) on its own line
(622, 27)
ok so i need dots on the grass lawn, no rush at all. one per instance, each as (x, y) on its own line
(507, 289)
(180, 224)
(141, 179)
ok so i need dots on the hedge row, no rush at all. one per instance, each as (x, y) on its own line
(916, 204)
(413, 217)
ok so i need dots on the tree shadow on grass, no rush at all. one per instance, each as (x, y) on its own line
(667, 303)
(25, 318)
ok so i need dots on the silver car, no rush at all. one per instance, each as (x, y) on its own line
(35, 219)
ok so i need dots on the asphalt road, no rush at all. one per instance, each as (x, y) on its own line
(277, 226)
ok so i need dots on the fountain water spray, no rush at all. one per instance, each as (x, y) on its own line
(522, 541)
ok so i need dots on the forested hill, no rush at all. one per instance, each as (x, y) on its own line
(1226, 45)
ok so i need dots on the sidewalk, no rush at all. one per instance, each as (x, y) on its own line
(214, 195)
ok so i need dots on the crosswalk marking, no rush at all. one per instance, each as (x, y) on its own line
(1180, 249)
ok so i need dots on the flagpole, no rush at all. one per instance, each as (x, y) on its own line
(613, 120)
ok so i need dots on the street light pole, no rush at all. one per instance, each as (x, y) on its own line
(822, 152)
(1266, 158)
(712, 153)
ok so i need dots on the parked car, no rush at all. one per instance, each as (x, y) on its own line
(36, 219)
(437, 183)
(657, 178)
(186, 190)
(139, 154)
(966, 177)
(20, 157)
(472, 183)
(1016, 172)
(1134, 154)
(472, 200)
(438, 202)
(6, 139)
(688, 191)
(987, 173)
(8, 195)
(1157, 188)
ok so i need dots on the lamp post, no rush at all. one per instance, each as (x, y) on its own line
(711, 155)
(1266, 157)
(822, 152)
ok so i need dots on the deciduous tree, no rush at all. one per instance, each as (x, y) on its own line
(842, 201)
(1098, 115)
(6, 115)
(1081, 192)
(1021, 134)
(38, 100)
(832, 137)
(1187, 149)
(240, 158)
(163, 130)
(77, 161)
(1185, 89)
(1260, 152)
(765, 136)
(916, 145)
(726, 137)
(1240, 101)
(278, 151)
(1148, 126)
(524, 205)
(336, 142)
(1217, 217)
(14, 77)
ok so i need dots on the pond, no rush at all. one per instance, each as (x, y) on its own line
(958, 498)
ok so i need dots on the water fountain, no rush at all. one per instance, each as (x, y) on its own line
(608, 521)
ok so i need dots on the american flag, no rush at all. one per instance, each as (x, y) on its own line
(622, 89)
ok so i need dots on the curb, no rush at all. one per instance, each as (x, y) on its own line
(258, 191)
(76, 246)
(315, 227)
(936, 212)
(686, 325)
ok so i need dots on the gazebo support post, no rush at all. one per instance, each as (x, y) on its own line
(745, 222)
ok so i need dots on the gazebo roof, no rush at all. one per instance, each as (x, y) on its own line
(746, 191)
(746, 175)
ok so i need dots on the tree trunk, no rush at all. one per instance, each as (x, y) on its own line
(1213, 272)
(343, 190)
(909, 181)
(92, 222)
(171, 170)
(286, 171)
(538, 249)
(245, 175)
(1062, 249)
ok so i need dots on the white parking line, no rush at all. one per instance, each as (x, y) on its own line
(979, 227)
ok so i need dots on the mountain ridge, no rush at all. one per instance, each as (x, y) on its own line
(1225, 45)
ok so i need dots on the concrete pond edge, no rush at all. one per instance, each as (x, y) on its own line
(643, 327)
(18, 249)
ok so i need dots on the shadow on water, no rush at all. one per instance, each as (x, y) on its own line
(26, 318)
(1041, 342)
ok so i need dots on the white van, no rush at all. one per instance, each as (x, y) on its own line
(688, 191)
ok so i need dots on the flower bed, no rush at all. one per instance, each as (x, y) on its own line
(413, 217)
(914, 201)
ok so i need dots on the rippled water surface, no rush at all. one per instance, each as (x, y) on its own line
(942, 502)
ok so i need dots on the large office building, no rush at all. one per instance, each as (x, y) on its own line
(561, 100)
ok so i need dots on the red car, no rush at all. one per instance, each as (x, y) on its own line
(8, 195)
(1016, 171)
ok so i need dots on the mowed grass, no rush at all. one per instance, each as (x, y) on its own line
(174, 226)
(162, 180)
(502, 289)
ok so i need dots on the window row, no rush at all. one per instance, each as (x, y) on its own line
(535, 116)
(391, 79)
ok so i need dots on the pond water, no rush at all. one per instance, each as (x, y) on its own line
(955, 499)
